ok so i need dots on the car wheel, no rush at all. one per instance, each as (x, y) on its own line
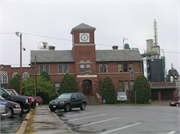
(67, 108)
(52, 109)
(10, 112)
(177, 105)
(26, 110)
(83, 106)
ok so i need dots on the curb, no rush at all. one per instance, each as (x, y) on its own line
(23, 126)
(61, 121)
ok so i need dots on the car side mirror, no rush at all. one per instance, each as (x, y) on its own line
(72, 98)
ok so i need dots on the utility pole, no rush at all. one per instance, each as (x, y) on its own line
(20, 64)
(35, 77)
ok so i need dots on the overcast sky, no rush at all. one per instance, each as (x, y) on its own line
(113, 20)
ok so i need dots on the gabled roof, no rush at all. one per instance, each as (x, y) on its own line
(83, 27)
(52, 56)
(117, 55)
(101, 56)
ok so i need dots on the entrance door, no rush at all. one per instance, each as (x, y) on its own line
(86, 88)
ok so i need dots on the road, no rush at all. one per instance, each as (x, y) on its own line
(10, 125)
(123, 119)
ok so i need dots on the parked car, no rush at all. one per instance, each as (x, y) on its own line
(31, 99)
(14, 108)
(21, 100)
(38, 100)
(4, 109)
(176, 103)
(67, 101)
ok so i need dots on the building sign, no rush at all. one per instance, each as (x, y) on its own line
(86, 76)
(122, 96)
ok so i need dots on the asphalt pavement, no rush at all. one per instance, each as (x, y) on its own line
(46, 122)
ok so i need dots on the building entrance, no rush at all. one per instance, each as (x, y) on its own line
(87, 87)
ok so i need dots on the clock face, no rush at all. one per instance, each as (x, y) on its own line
(84, 37)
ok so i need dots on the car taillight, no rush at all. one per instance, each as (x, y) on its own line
(17, 107)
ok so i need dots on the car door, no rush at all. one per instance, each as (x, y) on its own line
(74, 100)
(79, 99)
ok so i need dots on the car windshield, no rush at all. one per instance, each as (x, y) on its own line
(16, 92)
(38, 97)
(65, 96)
(4, 90)
(2, 98)
(11, 93)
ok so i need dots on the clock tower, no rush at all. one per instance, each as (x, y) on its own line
(84, 47)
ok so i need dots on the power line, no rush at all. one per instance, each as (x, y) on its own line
(71, 40)
(47, 37)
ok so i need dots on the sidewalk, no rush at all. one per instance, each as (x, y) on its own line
(46, 122)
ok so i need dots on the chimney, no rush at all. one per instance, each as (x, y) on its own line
(51, 47)
(115, 47)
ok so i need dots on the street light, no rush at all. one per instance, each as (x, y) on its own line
(20, 35)
(123, 41)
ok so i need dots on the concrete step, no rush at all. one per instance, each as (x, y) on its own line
(91, 100)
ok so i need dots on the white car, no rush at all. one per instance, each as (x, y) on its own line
(4, 109)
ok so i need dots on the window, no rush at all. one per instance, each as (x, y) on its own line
(88, 67)
(120, 86)
(131, 84)
(60, 69)
(65, 68)
(3, 79)
(57, 86)
(105, 68)
(74, 96)
(119, 67)
(125, 68)
(126, 85)
(100, 83)
(47, 68)
(82, 68)
(100, 68)
(40, 69)
(131, 68)
(25, 76)
(14, 74)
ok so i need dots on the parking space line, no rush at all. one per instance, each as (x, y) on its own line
(98, 122)
(121, 128)
(87, 117)
(78, 114)
(172, 132)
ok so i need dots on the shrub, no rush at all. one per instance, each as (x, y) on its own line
(107, 90)
(70, 85)
(15, 83)
(143, 91)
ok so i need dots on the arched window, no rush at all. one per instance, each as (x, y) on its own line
(25, 75)
(3, 77)
(14, 74)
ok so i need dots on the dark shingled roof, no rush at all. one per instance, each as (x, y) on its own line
(101, 55)
(118, 55)
(83, 27)
(52, 56)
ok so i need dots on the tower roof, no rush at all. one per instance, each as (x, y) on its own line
(83, 27)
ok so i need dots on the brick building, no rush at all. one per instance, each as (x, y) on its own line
(7, 72)
(88, 65)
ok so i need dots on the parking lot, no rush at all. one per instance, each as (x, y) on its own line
(10, 125)
(123, 119)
